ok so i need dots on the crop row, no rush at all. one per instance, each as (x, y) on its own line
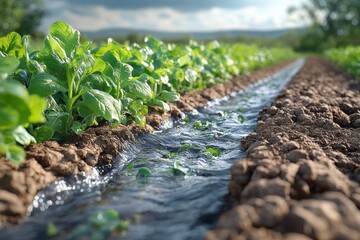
(348, 58)
(69, 85)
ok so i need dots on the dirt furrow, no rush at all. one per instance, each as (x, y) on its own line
(301, 177)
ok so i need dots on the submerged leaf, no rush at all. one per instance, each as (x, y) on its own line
(144, 172)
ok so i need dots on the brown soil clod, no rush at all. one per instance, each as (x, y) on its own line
(98, 146)
(301, 177)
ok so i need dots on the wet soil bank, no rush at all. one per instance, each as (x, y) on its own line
(97, 147)
(301, 177)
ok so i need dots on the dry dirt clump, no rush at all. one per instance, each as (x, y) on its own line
(98, 146)
(301, 177)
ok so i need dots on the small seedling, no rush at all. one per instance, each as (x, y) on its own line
(180, 168)
(144, 172)
(51, 230)
(187, 119)
(186, 147)
(215, 152)
(241, 109)
(130, 167)
(202, 125)
(102, 225)
(169, 155)
(242, 118)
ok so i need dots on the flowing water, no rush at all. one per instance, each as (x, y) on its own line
(166, 204)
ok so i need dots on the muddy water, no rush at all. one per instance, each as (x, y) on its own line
(166, 204)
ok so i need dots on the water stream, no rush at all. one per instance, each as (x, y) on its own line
(166, 204)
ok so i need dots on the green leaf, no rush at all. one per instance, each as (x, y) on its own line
(12, 45)
(242, 118)
(130, 167)
(66, 37)
(22, 136)
(99, 65)
(14, 96)
(180, 168)
(100, 82)
(59, 121)
(121, 53)
(215, 152)
(179, 75)
(15, 154)
(52, 45)
(9, 118)
(187, 119)
(139, 89)
(77, 127)
(154, 44)
(125, 72)
(54, 65)
(111, 215)
(144, 172)
(37, 105)
(102, 104)
(8, 65)
(44, 85)
(51, 230)
(184, 60)
(141, 120)
(13, 88)
(186, 147)
(190, 75)
(168, 96)
(43, 133)
(164, 106)
(137, 107)
(202, 125)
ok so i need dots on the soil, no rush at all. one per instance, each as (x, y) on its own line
(97, 147)
(301, 177)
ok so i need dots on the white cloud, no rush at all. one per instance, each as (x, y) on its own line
(261, 17)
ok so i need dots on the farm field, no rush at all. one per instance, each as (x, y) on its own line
(231, 137)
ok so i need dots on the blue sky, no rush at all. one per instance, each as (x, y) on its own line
(173, 15)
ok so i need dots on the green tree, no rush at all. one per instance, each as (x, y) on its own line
(334, 24)
(22, 16)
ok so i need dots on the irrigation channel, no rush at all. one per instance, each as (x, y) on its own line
(163, 205)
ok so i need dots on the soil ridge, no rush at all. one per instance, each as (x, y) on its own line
(301, 177)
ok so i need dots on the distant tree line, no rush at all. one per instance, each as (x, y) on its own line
(22, 16)
(334, 24)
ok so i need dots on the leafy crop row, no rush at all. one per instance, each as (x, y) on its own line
(69, 85)
(348, 58)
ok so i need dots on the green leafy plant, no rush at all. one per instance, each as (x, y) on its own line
(74, 82)
(202, 125)
(19, 110)
(77, 84)
(348, 58)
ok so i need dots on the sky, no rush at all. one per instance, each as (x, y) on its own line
(173, 15)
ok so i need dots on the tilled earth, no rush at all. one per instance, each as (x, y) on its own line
(301, 177)
(97, 147)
